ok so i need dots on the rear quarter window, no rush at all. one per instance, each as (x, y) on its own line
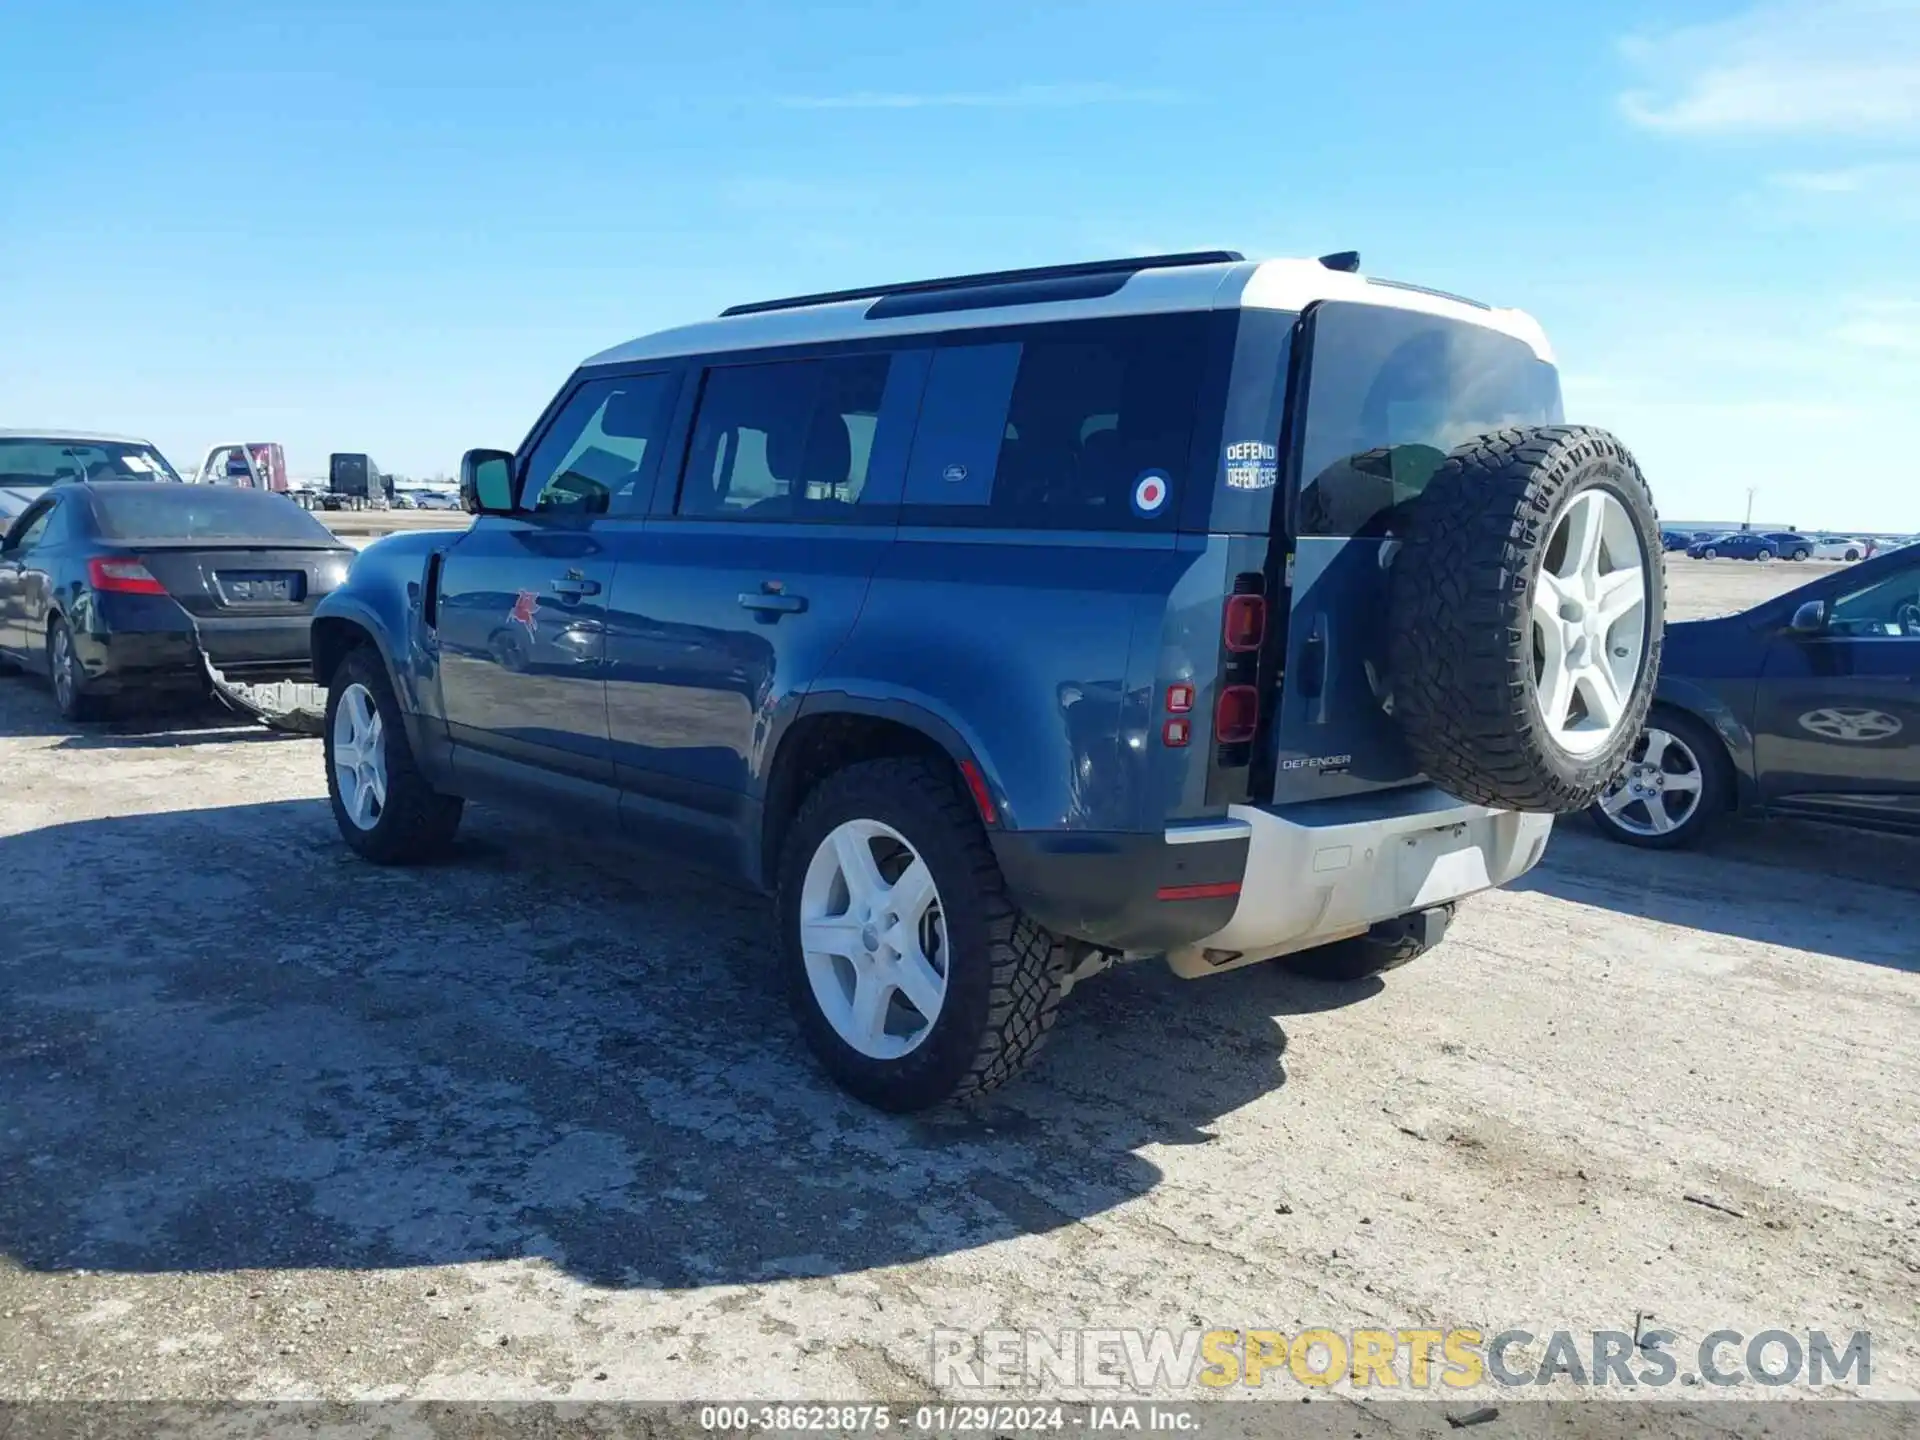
(1388, 394)
(1085, 425)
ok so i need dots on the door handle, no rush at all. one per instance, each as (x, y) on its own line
(573, 586)
(774, 605)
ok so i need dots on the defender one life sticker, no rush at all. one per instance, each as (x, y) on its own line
(1253, 465)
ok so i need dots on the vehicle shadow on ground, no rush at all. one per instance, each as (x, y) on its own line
(260, 1052)
(1808, 887)
(133, 722)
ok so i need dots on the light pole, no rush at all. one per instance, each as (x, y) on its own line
(1752, 490)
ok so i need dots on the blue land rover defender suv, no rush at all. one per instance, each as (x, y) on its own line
(1005, 627)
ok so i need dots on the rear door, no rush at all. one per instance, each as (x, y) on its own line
(523, 597)
(1379, 396)
(731, 598)
(1837, 714)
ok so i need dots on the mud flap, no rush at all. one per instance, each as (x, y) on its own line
(296, 706)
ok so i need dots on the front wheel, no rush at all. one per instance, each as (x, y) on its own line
(913, 976)
(1676, 780)
(383, 806)
(1709, 553)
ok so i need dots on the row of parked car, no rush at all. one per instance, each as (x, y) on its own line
(1768, 545)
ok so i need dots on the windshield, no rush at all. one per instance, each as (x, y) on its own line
(204, 512)
(1389, 393)
(50, 460)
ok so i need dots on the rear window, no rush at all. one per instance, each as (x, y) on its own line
(1389, 393)
(51, 460)
(204, 512)
(1077, 426)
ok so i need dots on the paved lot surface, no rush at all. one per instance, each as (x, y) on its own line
(534, 1123)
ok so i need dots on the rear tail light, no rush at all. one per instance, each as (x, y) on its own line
(1237, 715)
(1245, 625)
(128, 577)
(1179, 699)
(1176, 733)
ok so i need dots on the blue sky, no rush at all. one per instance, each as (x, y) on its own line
(395, 227)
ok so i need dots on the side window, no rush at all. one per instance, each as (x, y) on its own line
(597, 446)
(790, 440)
(32, 528)
(1890, 607)
(1078, 426)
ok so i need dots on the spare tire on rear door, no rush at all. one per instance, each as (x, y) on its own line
(1526, 611)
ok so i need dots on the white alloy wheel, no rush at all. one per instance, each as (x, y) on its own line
(874, 938)
(1659, 791)
(1589, 622)
(360, 757)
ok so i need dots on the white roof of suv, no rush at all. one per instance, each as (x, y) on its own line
(1158, 287)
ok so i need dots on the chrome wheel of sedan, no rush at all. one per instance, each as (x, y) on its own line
(360, 757)
(1589, 622)
(1660, 790)
(874, 939)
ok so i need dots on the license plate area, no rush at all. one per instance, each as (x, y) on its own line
(1444, 864)
(260, 587)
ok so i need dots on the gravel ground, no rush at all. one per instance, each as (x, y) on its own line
(534, 1122)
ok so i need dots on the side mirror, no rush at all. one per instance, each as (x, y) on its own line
(486, 482)
(1809, 619)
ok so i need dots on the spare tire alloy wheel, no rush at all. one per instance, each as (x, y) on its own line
(360, 757)
(1526, 618)
(1589, 622)
(874, 938)
(1661, 789)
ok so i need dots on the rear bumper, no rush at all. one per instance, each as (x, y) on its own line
(144, 645)
(1265, 882)
(1326, 870)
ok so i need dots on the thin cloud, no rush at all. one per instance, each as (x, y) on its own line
(1888, 326)
(1021, 97)
(1848, 67)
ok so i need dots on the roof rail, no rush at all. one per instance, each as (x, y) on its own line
(993, 277)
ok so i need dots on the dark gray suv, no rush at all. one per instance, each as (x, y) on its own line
(1005, 627)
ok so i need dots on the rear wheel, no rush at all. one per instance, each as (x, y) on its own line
(1802, 553)
(384, 807)
(1675, 782)
(1764, 556)
(69, 679)
(913, 976)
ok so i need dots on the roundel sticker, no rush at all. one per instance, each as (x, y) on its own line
(1150, 492)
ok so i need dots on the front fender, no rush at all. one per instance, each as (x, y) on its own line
(382, 597)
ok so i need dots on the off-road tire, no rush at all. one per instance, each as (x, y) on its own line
(1004, 970)
(417, 823)
(1460, 635)
(72, 698)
